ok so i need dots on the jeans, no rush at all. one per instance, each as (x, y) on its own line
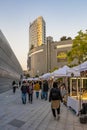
(37, 95)
(30, 97)
(45, 95)
(24, 98)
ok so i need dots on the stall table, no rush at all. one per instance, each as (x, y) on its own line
(74, 103)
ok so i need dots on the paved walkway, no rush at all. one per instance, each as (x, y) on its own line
(37, 116)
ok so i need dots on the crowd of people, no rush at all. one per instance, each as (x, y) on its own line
(28, 87)
(56, 94)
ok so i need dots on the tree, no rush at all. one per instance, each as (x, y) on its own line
(55, 68)
(79, 48)
(65, 38)
(69, 38)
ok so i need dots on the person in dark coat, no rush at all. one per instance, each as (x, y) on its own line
(55, 98)
(24, 92)
(45, 90)
(14, 86)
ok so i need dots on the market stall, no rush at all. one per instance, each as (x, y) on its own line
(78, 93)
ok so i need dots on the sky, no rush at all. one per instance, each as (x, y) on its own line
(62, 17)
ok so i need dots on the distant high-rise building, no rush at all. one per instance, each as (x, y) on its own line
(44, 58)
(37, 33)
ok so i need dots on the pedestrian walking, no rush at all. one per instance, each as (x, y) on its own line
(37, 89)
(45, 90)
(14, 85)
(55, 98)
(30, 91)
(19, 83)
(64, 93)
(24, 91)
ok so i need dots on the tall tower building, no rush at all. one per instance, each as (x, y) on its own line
(37, 33)
(42, 48)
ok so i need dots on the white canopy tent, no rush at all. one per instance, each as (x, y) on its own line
(71, 71)
(65, 71)
(32, 79)
(45, 76)
(62, 72)
(77, 69)
(82, 67)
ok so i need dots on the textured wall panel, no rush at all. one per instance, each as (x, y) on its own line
(10, 69)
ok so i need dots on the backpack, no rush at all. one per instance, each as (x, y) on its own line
(54, 94)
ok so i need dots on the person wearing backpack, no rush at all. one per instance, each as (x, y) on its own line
(55, 98)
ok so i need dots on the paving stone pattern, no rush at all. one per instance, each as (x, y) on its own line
(36, 116)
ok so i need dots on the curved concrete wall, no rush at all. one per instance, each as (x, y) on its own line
(38, 60)
(43, 59)
(10, 69)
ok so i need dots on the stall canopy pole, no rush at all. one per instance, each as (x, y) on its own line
(70, 86)
(77, 88)
(80, 93)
